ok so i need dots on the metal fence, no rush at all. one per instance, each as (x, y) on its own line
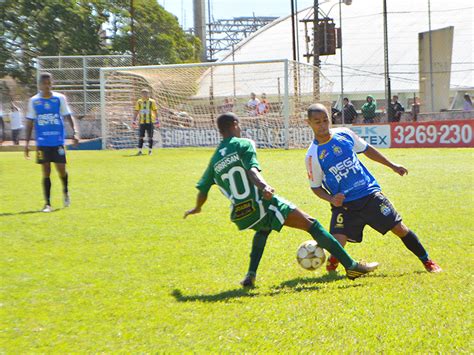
(78, 77)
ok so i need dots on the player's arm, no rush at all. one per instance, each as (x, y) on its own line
(335, 200)
(31, 115)
(200, 200)
(154, 109)
(375, 155)
(204, 185)
(315, 177)
(75, 133)
(28, 131)
(248, 157)
(257, 179)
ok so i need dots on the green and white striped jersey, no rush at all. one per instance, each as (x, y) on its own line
(228, 170)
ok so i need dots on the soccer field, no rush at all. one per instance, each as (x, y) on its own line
(120, 270)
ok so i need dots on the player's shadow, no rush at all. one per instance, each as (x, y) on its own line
(26, 212)
(217, 297)
(307, 283)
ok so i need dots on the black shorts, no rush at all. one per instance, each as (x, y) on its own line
(146, 127)
(51, 155)
(374, 210)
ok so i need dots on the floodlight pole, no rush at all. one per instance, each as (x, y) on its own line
(431, 57)
(342, 68)
(388, 93)
(316, 62)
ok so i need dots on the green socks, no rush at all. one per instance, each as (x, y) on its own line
(258, 246)
(326, 241)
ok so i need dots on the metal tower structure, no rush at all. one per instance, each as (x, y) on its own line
(224, 34)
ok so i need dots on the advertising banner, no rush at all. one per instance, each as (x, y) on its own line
(455, 133)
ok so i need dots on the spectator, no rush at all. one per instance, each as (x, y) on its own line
(2, 124)
(16, 124)
(415, 108)
(395, 110)
(335, 113)
(263, 107)
(350, 113)
(368, 109)
(252, 105)
(227, 106)
(467, 103)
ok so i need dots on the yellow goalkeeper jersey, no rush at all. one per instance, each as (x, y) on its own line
(146, 110)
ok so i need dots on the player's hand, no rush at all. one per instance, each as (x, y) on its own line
(134, 124)
(338, 199)
(157, 124)
(27, 152)
(194, 210)
(268, 192)
(75, 141)
(400, 170)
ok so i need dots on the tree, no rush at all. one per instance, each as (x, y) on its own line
(32, 28)
(158, 36)
(53, 27)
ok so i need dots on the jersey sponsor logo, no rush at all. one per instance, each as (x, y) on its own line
(341, 170)
(385, 209)
(324, 153)
(336, 150)
(243, 209)
(225, 162)
(48, 119)
(223, 151)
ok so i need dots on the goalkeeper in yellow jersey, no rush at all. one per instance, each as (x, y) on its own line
(146, 112)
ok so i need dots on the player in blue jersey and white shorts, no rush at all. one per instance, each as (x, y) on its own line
(338, 176)
(47, 112)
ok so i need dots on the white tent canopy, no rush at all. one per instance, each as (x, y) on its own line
(363, 49)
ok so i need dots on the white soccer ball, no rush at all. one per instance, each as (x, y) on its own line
(310, 256)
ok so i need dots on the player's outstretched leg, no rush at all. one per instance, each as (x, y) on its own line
(258, 246)
(332, 262)
(46, 168)
(300, 220)
(412, 243)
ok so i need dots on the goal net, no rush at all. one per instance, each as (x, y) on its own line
(190, 97)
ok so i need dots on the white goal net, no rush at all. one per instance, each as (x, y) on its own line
(191, 96)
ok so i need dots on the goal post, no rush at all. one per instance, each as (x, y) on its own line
(190, 97)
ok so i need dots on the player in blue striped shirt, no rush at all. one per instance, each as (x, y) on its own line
(47, 112)
(338, 176)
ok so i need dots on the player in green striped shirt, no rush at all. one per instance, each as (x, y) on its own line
(235, 170)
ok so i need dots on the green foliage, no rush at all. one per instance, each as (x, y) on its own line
(158, 36)
(32, 28)
(121, 271)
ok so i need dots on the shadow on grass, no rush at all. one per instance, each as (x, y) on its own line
(308, 283)
(26, 212)
(134, 155)
(221, 296)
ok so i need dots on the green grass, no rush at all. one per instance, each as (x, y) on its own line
(120, 270)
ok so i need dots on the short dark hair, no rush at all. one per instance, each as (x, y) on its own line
(45, 75)
(347, 99)
(313, 108)
(226, 120)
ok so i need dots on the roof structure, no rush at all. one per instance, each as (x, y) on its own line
(363, 46)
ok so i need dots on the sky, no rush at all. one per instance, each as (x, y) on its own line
(226, 9)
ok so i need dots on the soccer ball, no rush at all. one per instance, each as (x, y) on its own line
(310, 256)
